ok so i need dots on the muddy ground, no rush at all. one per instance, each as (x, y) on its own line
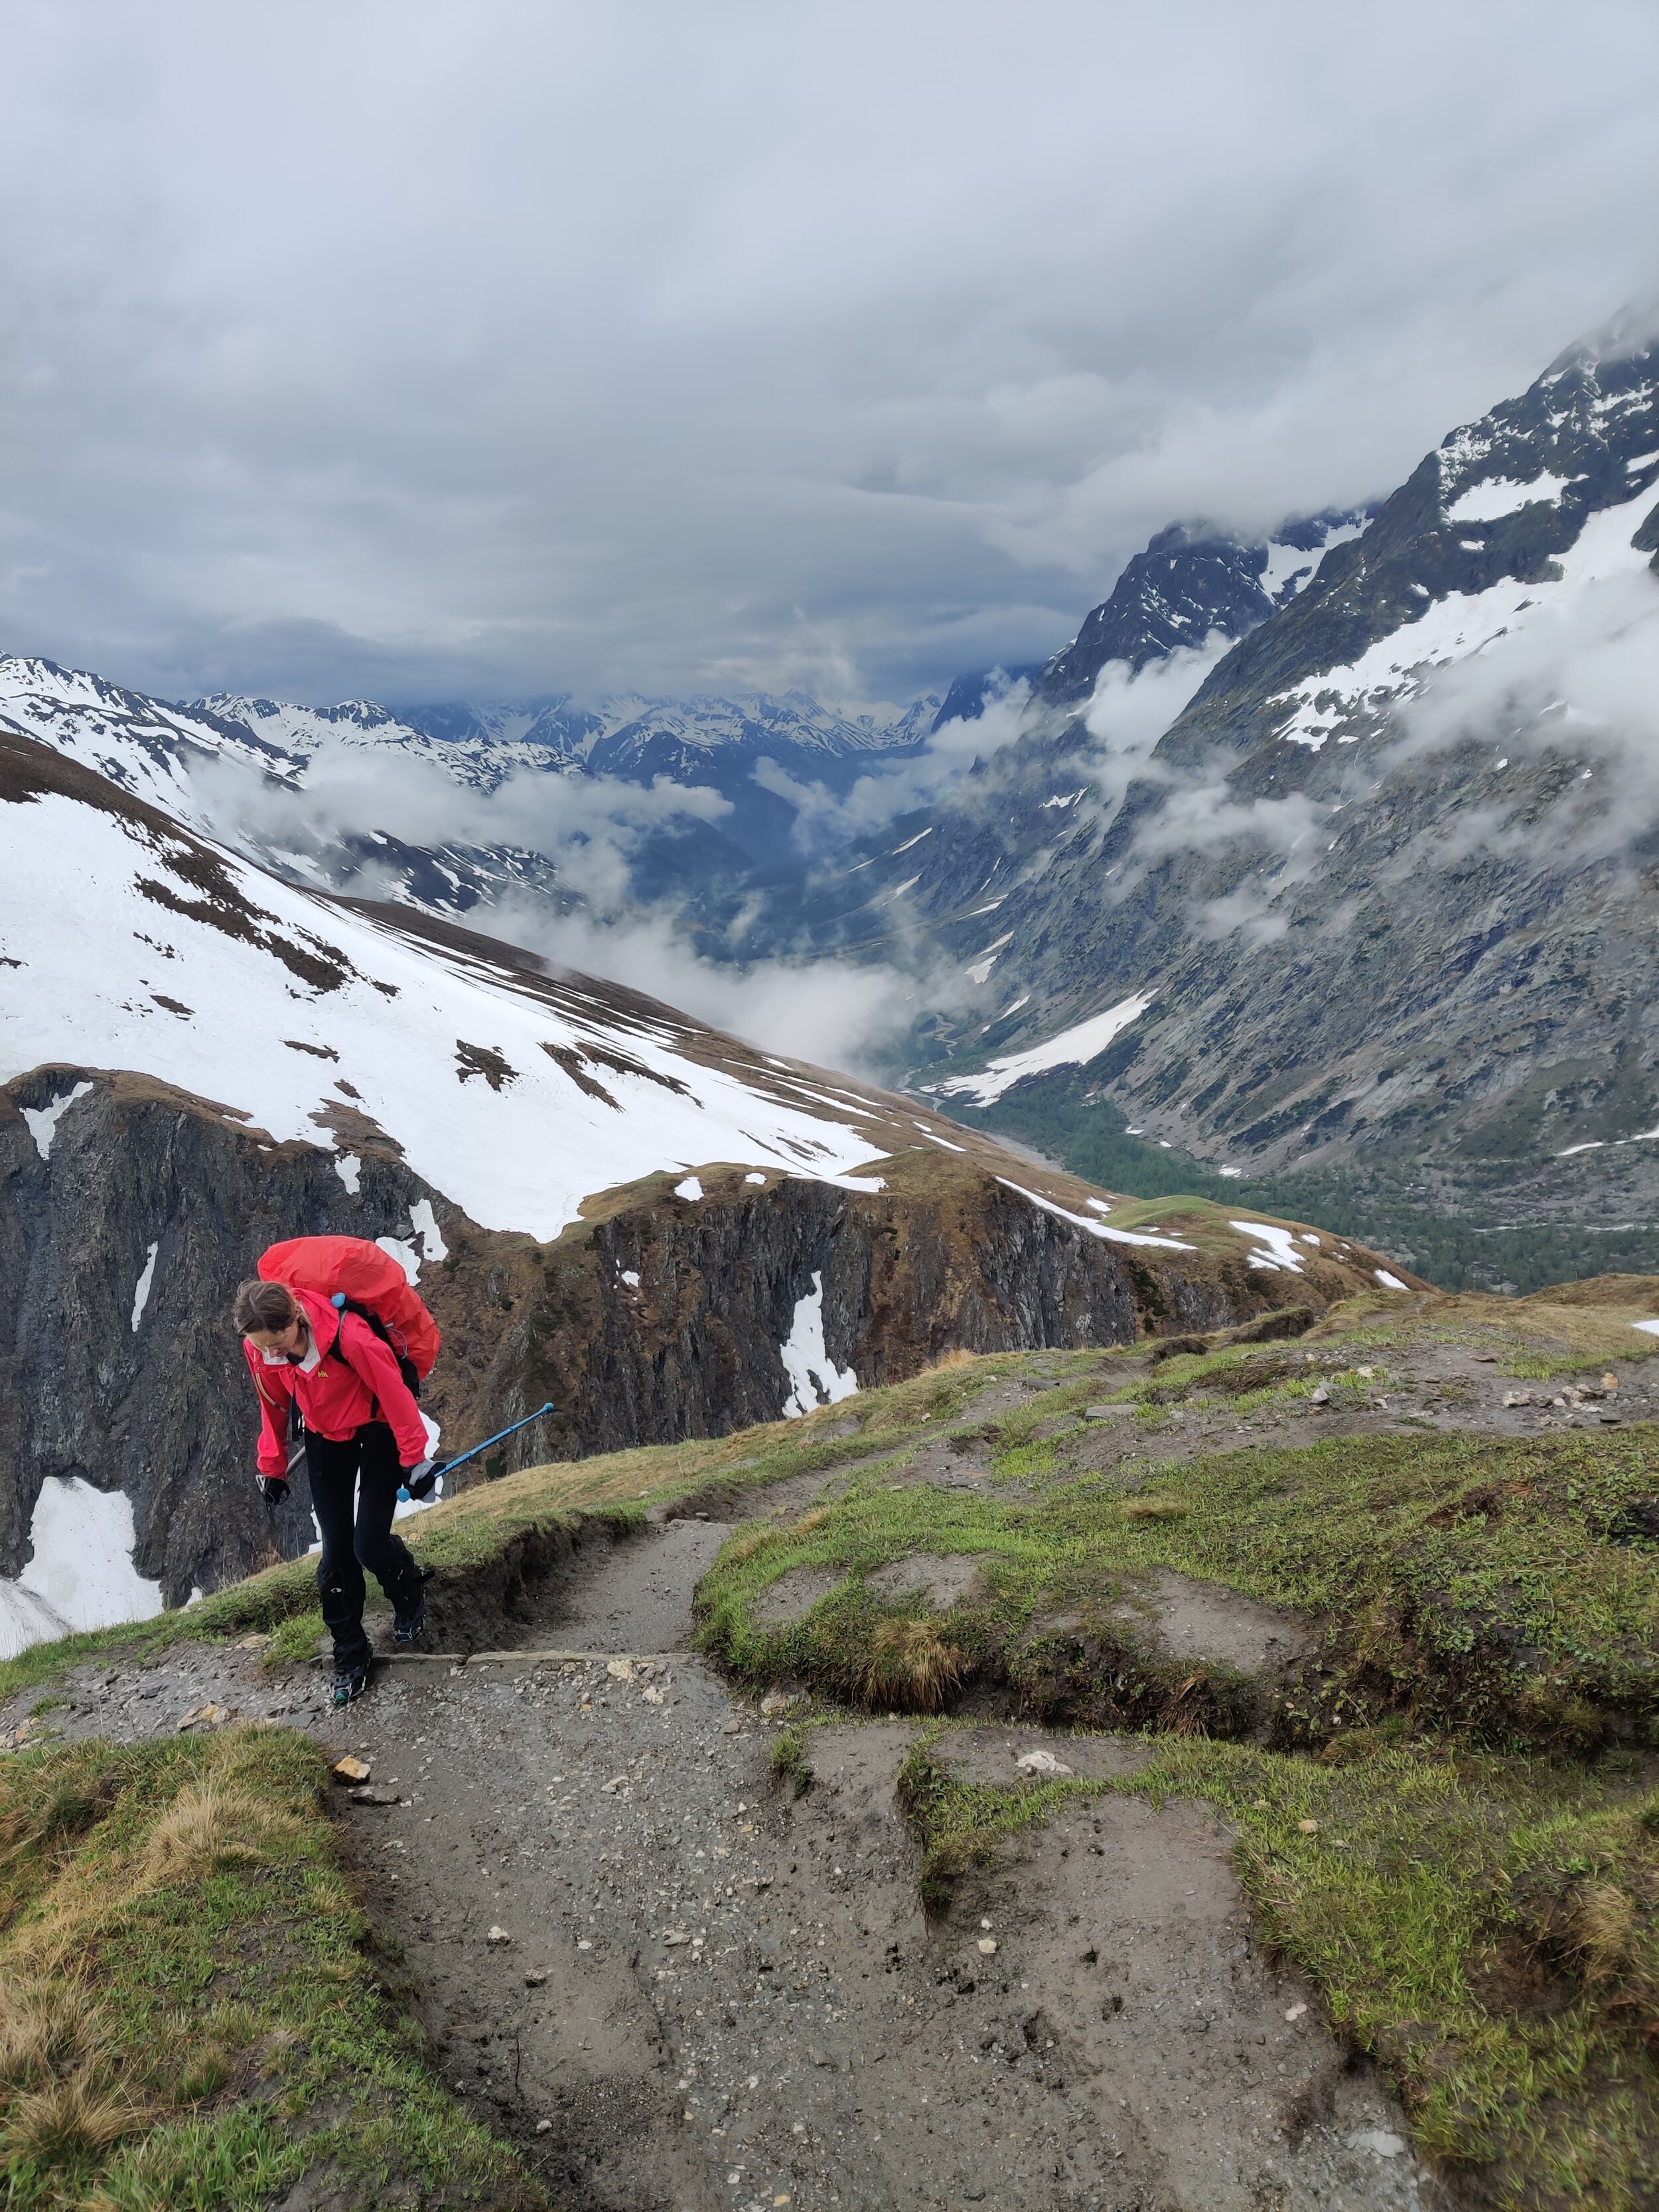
(680, 1986)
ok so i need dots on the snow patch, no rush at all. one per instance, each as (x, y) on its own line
(690, 1189)
(934, 1138)
(1648, 1327)
(1389, 1282)
(27, 1618)
(1096, 1228)
(81, 1575)
(1296, 565)
(908, 842)
(403, 1253)
(630, 1278)
(987, 959)
(1501, 495)
(349, 1170)
(425, 1224)
(43, 1120)
(753, 1177)
(1281, 1245)
(140, 1294)
(1072, 1048)
(814, 1377)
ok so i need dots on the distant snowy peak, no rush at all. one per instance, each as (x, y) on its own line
(1190, 583)
(300, 733)
(625, 735)
(147, 748)
(642, 738)
(1513, 517)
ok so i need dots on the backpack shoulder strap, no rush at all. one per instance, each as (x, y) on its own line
(343, 1306)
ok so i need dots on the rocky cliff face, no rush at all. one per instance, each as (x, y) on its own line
(1188, 586)
(657, 1317)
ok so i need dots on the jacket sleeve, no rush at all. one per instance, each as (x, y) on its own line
(274, 1402)
(374, 1366)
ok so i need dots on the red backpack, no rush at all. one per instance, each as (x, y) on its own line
(358, 1277)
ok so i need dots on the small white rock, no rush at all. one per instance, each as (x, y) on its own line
(1296, 2012)
(498, 1935)
(1041, 1762)
(1383, 2142)
(988, 1945)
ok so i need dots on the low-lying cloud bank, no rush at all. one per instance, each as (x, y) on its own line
(591, 829)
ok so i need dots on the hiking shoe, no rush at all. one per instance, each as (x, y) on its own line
(404, 1632)
(350, 1682)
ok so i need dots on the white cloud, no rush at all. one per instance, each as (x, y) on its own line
(589, 826)
(898, 787)
(833, 1012)
(411, 351)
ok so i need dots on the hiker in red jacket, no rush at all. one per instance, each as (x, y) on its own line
(363, 1436)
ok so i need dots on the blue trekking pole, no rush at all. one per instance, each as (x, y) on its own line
(448, 1466)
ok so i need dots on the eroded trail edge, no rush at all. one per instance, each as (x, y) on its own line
(676, 1984)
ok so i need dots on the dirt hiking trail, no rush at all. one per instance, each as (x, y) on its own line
(679, 1986)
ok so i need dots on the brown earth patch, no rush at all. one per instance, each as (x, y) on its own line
(1201, 1621)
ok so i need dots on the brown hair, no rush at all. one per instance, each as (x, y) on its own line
(262, 1306)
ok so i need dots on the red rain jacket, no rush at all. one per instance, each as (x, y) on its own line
(339, 1394)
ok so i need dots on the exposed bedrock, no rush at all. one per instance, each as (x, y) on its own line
(654, 1319)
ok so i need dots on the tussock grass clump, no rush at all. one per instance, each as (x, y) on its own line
(910, 1666)
(137, 1882)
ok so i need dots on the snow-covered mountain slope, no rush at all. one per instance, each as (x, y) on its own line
(1385, 887)
(661, 1230)
(479, 759)
(176, 957)
(153, 752)
(690, 740)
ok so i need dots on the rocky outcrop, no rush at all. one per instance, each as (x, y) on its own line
(655, 1317)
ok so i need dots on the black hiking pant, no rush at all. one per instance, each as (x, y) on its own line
(360, 1467)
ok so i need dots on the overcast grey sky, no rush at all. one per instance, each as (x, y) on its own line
(389, 348)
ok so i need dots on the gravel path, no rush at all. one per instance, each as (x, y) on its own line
(680, 1987)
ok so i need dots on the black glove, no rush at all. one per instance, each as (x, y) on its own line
(273, 1488)
(420, 1481)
